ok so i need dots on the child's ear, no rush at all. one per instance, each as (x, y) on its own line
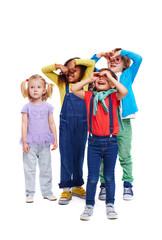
(45, 90)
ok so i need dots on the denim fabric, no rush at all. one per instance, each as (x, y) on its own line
(106, 148)
(124, 153)
(43, 156)
(72, 140)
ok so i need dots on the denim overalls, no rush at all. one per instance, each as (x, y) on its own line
(72, 140)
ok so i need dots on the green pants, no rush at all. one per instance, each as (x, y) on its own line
(124, 153)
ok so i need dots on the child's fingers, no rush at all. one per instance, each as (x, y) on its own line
(96, 74)
(105, 76)
(54, 147)
(71, 65)
(108, 55)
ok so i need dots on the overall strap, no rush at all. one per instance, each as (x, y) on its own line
(67, 88)
(111, 114)
(90, 114)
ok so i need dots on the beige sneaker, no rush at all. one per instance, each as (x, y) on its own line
(50, 197)
(29, 198)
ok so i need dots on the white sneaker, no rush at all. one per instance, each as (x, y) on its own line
(110, 211)
(50, 197)
(29, 198)
(87, 214)
(128, 194)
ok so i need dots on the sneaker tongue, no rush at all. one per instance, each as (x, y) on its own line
(127, 190)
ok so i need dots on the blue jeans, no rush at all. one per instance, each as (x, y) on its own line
(124, 153)
(106, 148)
(41, 154)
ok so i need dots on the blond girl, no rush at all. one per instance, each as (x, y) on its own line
(38, 133)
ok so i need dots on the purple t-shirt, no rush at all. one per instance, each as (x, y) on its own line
(38, 132)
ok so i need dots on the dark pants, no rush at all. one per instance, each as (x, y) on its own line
(106, 148)
(72, 140)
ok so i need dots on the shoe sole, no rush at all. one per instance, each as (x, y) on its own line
(112, 217)
(50, 199)
(64, 202)
(102, 198)
(29, 201)
(80, 196)
(85, 218)
(127, 198)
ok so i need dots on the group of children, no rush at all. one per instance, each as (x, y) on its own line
(99, 103)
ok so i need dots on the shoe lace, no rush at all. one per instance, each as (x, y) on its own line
(103, 190)
(127, 191)
(110, 209)
(87, 210)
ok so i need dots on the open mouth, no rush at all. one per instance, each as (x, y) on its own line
(101, 83)
(112, 65)
(70, 76)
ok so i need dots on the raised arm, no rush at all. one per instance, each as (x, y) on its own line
(137, 59)
(121, 90)
(77, 87)
(49, 72)
(90, 64)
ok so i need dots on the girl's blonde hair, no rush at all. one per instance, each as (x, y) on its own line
(45, 96)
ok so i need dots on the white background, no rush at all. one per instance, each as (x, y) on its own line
(38, 33)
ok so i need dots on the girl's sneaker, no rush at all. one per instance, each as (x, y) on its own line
(110, 211)
(65, 198)
(29, 198)
(128, 193)
(79, 192)
(50, 197)
(87, 214)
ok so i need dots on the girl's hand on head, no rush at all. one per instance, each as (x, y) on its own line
(63, 68)
(26, 147)
(71, 66)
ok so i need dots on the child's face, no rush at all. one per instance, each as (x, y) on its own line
(102, 83)
(73, 75)
(116, 65)
(36, 89)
